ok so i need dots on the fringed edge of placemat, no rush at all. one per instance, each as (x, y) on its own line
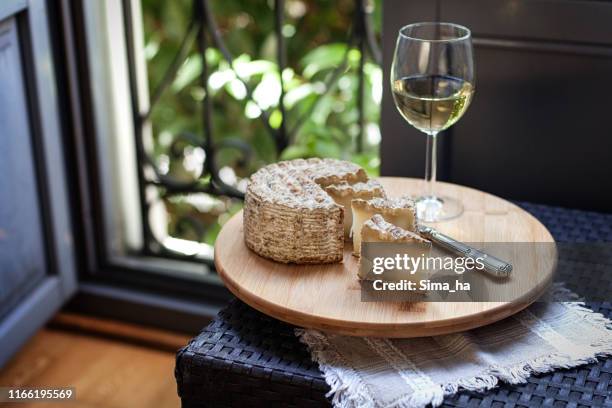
(349, 390)
(346, 386)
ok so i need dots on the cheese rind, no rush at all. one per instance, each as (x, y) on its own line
(344, 193)
(289, 218)
(376, 229)
(397, 211)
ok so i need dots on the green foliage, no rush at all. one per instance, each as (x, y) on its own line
(315, 32)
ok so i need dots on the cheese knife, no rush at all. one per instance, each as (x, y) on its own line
(492, 265)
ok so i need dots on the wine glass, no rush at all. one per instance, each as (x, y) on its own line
(432, 80)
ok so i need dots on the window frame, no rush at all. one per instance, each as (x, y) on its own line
(166, 282)
(167, 293)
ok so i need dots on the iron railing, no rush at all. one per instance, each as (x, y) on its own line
(204, 32)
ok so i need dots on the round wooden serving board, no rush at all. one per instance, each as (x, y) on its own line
(327, 297)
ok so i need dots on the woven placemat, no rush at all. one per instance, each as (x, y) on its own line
(245, 358)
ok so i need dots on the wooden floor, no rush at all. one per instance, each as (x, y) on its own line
(106, 373)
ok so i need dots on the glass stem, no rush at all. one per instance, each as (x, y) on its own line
(431, 164)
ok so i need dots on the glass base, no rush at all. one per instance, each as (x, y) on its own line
(435, 209)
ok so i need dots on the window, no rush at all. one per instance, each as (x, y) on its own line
(190, 97)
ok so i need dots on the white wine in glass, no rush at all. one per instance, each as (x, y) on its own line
(432, 81)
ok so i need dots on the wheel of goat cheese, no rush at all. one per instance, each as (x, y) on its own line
(288, 216)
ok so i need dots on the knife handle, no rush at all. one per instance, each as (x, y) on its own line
(492, 265)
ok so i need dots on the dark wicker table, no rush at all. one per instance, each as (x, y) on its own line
(245, 358)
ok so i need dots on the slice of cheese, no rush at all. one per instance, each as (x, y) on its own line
(397, 211)
(344, 193)
(377, 229)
